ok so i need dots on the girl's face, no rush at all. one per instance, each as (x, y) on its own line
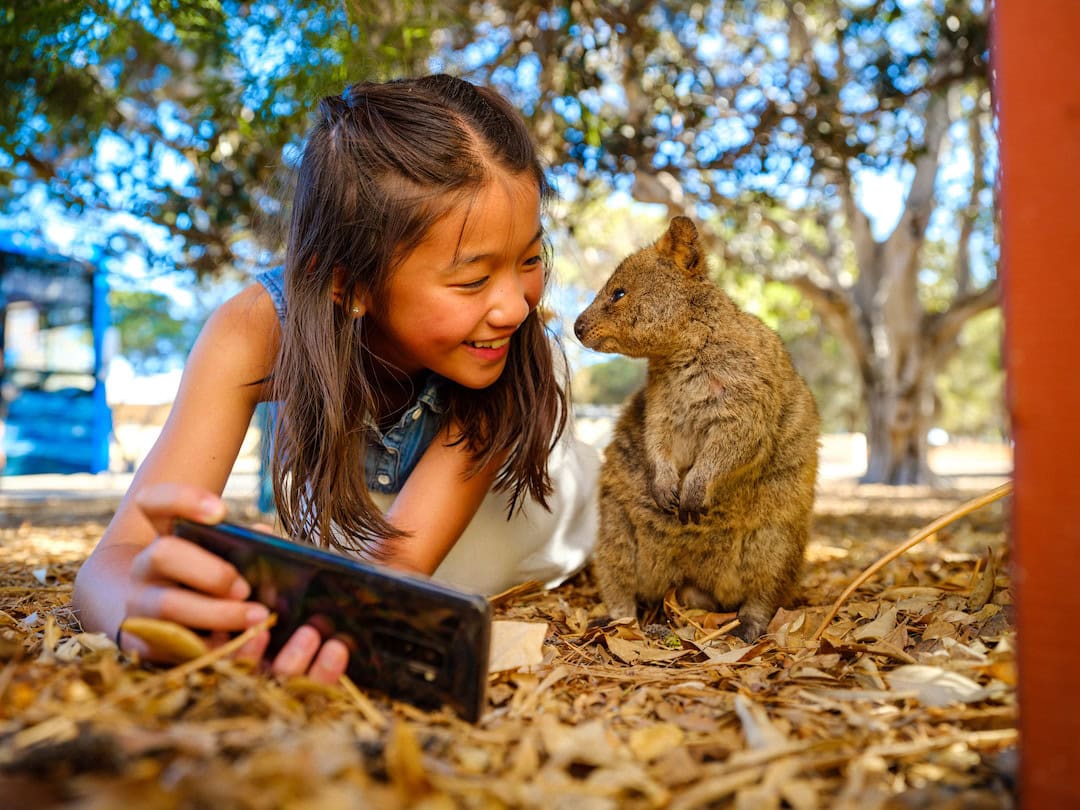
(453, 303)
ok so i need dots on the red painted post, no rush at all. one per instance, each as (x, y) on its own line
(1037, 93)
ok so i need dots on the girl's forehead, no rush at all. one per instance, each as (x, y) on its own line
(506, 208)
(496, 221)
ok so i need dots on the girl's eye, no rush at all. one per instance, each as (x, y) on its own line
(534, 261)
(617, 293)
(474, 285)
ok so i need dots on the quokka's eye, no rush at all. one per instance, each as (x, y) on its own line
(617, 293)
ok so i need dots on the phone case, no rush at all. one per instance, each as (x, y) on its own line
(410, 638)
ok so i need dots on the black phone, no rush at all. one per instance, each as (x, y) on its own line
(409, 637)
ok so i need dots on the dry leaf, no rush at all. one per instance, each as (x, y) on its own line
(653, 741)
(586, 744)
(170, 641)
(404, 765)
(759, 730)
(880, 627)
(934, 686)
(984, 588)
(633, 652)
(516, 644)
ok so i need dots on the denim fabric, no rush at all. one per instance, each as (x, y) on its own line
(392, 455)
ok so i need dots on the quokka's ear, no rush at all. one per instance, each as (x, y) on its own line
(680, 244)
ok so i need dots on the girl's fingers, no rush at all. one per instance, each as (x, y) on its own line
(306, 653)
(330, 663)
(298, 652)
(254, 650)
(194, 610)
(162, 503)
(171, 559)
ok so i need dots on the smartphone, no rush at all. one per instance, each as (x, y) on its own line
(409, 637)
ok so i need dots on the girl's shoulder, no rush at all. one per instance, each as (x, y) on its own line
(273, 281)
(245, 332)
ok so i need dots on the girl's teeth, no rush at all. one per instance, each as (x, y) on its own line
(490, 344)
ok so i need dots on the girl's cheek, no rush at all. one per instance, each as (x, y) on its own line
(534, 289)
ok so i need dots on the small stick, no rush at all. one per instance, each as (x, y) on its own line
(183, 670)
(363, 703)
(727, 628)
(918, 537)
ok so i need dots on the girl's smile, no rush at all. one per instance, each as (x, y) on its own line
(489, 351)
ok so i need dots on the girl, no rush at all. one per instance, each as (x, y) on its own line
(420, 415)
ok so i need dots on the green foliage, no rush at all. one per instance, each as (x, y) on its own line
(185, 114)
(151, 336)
(609, 382)
(969, 388)
(751, 115)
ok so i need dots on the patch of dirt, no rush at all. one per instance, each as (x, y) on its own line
(906, 700)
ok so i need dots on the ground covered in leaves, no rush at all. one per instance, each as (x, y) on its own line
(907, 699)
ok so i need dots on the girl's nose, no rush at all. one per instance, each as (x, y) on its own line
(511, 305)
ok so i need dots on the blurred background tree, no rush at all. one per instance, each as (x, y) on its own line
(844, 148)
(776, 121)
(153, 331)
(184, 115)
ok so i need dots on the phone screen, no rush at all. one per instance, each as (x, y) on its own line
(411, 638)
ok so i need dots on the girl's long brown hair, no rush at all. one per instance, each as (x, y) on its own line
(383, 163)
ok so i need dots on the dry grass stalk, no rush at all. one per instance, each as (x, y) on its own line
(925, 532)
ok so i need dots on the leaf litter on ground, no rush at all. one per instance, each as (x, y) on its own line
(906, 699)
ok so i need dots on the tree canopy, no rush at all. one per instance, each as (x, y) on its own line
(844, 147)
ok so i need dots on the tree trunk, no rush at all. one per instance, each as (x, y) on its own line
(897, 423)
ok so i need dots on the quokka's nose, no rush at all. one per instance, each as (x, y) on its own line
(579, 328)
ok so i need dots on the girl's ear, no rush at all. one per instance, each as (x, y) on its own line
(358, 306)
(338, 285)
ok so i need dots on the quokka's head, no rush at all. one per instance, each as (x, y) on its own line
(644, 309)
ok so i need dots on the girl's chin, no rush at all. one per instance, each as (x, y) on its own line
(477, 378)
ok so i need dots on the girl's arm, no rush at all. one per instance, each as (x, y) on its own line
(138, 568)
(182, 475)
(436, 504)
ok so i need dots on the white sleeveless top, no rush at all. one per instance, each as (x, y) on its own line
(494, 554)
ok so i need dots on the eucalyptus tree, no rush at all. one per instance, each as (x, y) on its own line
(768, 119)
(771, 120)
(182, 116)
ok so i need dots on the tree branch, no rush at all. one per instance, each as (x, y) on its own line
(962, 268)
(941, 329)
(836, 309)
(920, 198)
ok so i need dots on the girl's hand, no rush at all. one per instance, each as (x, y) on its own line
(176, 580)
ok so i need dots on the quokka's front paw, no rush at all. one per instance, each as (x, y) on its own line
(665, 491)
(692, 500)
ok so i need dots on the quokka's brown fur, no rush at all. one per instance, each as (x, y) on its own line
(708, 483)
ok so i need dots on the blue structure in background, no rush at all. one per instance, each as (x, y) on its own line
(266, 415)
(54, 315)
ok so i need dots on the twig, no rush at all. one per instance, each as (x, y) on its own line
(727, 628)
(363, 703)
(525, 589)
(918, 537)
(183, 670)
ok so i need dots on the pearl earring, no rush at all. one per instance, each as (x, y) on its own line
(355, 310)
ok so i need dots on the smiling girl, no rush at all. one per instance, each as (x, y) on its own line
(420, 413)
